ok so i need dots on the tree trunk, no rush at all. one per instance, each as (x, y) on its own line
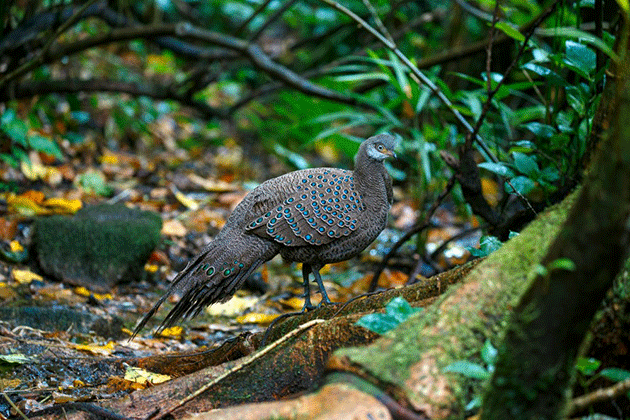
(535, 367)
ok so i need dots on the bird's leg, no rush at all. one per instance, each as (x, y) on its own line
(322, 289)
(306, 270)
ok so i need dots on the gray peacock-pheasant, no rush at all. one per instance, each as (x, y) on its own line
(313, 216)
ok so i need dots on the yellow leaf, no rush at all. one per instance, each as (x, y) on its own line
(294, 302)
(25, 276)
(233, 307)
(109, 159)
(63, 204)
(151, 268)
(82, 291)
(141, 376)
(256, 318)
(60, 398)
(33, 170)
(172, 332)
(105, 350)
(624, 4)
(15, 246)
(187, 202)
(24, 205)
(173, 228)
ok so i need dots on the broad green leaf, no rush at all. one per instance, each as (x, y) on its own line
(400, 309)
(16, 129)
(497, 168)
(489, 353)
(46, 145)
(525, 164)
(540, 130)
(587, 366)
(468, 369)
(580, 56)
(521, 184)
(379, 323)
(562, 264)
(487, 245)
(510, 31)
(615, 374)
(550, 75)
(396, 311)
(570, 32)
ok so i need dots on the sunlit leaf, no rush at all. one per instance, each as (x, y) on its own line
(96, 349)
(615, 374)
(510, 31)
(525, 164)
(497, 168)
(142, 376)
(256, 318)
(16, 358)
(45, 145)
(468, 369)
(587, 366)
(522, 184)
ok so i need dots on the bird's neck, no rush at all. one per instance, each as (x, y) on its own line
(371, 178)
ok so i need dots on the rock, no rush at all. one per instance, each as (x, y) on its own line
(99, 247)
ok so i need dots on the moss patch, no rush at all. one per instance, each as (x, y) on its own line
(98, 247)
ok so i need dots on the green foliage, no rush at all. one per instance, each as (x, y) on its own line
(487, 245)
(396, 312)
(587, 369)
(476, 371)
(22, 140)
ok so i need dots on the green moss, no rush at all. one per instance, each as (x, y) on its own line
(98, 247)
(460, 321)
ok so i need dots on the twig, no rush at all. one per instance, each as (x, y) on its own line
(602, 394)
(256, 12)
(242, 365)
(15, 407)
(271, 19)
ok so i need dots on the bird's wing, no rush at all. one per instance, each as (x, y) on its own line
(308, 207)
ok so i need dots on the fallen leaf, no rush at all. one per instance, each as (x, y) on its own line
(233, 307)
(172, 332)
(24, 206)
(35, 196)
(141, 376)
(173, 227)
(82, 291)
(189, 203)
(16, 358)
(151, 268)
(25, 276)
(63, 204)
(256, 318)
(213, 185)
(60, 398)
(15, 246)
(96, 349)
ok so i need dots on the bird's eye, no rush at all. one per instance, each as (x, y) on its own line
(380, 147)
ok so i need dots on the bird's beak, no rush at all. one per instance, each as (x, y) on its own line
(390, 153)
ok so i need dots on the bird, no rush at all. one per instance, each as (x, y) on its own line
(314, 216)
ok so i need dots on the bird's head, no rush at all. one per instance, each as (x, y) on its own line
(380, 147)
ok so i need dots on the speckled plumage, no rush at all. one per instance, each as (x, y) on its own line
(313, 216)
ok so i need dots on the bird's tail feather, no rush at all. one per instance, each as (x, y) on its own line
(213, 276)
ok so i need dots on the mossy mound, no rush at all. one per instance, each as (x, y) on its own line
(98, 247)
